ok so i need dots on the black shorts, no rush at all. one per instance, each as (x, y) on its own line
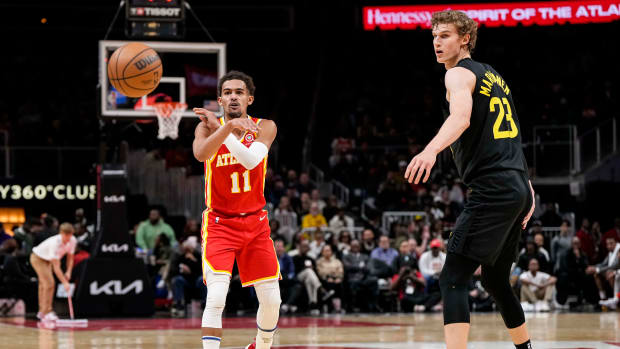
(490, 224)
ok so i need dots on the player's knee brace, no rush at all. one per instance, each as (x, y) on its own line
(506, 300)
(217, 289)
(268, 294)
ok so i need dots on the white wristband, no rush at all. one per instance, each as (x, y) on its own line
(248, 157)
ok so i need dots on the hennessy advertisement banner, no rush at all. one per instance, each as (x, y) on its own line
(508, 14)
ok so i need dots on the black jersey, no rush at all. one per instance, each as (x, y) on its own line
(492, 142)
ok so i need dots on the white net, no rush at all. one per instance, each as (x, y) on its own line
(168, 117)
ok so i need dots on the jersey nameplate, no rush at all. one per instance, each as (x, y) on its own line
(489, 81)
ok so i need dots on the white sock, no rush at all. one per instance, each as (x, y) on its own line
(211, 342)
(264, 339)
(602, 294)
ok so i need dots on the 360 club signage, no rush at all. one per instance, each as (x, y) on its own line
(495, 14)
(37, 192)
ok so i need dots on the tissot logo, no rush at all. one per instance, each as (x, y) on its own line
(155, 11)
(114, 248)
(115, 287)
(114, 198)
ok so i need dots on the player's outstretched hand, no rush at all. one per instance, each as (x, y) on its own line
(420, 163)
(529, 214)
(208, 118)
(244, 125)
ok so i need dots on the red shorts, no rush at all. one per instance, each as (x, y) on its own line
(244, 238)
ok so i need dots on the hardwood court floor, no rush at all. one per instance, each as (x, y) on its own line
(549, 330)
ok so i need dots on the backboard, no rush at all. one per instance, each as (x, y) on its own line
(191, 71)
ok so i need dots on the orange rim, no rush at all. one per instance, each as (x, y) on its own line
(166, 108)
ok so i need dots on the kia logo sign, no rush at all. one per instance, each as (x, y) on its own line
(114, 198)
(114, 248)
(115, 288)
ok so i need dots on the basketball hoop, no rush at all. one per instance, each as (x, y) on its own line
(168, 117)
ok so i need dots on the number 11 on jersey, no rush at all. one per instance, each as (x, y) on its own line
(235, 182)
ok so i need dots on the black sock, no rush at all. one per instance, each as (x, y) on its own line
(526, 345)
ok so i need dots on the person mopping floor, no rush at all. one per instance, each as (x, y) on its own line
(44, 259)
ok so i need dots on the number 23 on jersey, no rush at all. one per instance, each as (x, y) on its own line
(498, 103)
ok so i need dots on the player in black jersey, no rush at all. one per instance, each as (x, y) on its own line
(483, 132)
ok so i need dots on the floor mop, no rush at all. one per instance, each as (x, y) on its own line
(72, 322)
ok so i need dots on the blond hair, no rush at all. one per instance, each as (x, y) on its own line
(66, 228)
(464, 25)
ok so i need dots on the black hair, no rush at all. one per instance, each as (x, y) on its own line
(48, 221)
(164, 240)
(327, 245)
(236, 75)
(10, 245)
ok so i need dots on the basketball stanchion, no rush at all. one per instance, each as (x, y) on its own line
(168, 118)
(73, 322)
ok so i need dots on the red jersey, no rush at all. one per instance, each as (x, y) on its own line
(230, 188)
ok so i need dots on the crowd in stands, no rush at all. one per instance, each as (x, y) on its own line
(334, 261)
(374, 141)
(583, 265)
(552, 269)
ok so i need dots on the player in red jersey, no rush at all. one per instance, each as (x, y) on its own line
(234, 151)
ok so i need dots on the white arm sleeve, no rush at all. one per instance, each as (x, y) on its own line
(248, 157)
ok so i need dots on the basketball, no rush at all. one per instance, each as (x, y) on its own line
(134, 69)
